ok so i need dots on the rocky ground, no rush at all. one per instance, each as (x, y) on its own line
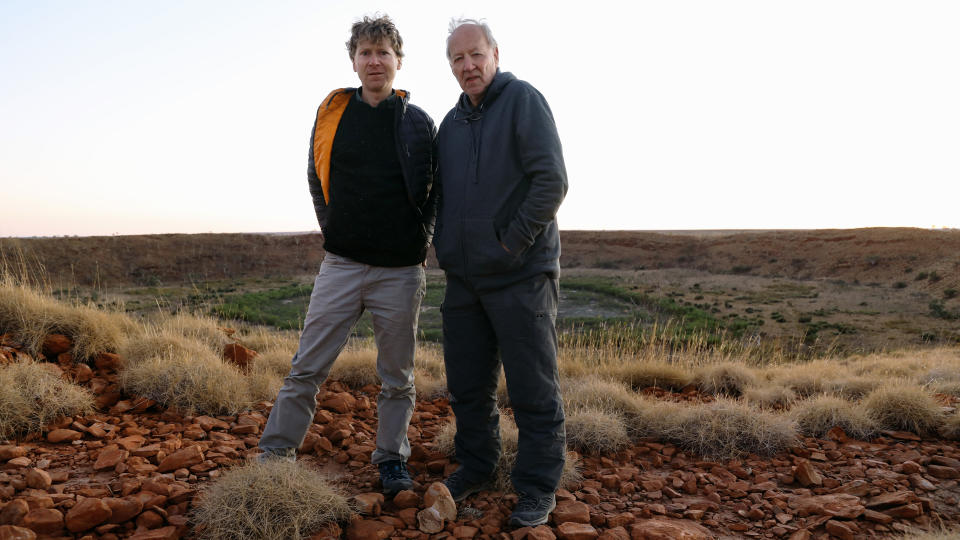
(134, 471)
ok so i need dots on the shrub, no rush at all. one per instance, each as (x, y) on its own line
(32, 395)
(276, 361)
(199, 383)
(645, 374)
(154, 342)
(356, 366)
(595, 430)
(951, 427)
(727, 379)
(268, 501)
(654, 419)
(727, 429)
(853, 388)
(770, 397)
(610, 397)
(206, 330)
(29, 316)
(817, 416)
(904, 408)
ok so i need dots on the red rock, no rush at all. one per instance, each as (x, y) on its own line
(368, 504)
(801, 534)
(239, 356)
(341, 402)
(877, 517)
(11, 532)
(150, 519)
(105, 361)
(897, 498)
(55, 344)
(571, 511)
(465, 531)
(576, 531)
(9, 451)
(905, 511)
(123, 509)
(406, 499)
(164, 533)
(43, 520)
(845, 530)
(541, 532)
(942, 472)
(13, 512)
(621, 520)
(22, 461)
(109, 457)
(668, 529)
(64, 435)
(368, 529)
(87, 514)
(38, 479)
(834, 505)
(807, 474)
(616, 533)
(184, 458)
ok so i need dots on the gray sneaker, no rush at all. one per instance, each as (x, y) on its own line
(532, 511)
(288, 455)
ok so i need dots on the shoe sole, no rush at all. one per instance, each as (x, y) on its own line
(398, 489)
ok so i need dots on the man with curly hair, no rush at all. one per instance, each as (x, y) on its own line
(370, 170)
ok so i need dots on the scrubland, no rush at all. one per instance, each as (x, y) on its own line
(637, 366)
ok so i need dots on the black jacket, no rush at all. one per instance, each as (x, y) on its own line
(416, 150)
(502, 179)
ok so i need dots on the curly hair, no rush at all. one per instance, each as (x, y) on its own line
(378, 29)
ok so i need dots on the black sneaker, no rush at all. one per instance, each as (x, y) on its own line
(532, 511)
(394, 477)
(462, 487)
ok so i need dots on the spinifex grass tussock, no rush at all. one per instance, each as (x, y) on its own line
(940, 533)
(263, 339)
(950, 388)
(29, 315)
(356, 366)
(854, 387)
(951, 427)
(268, 501)
(202, 328)
(595, 430)
(650, 373)
(509, 435)
(429, 372)
(32, 395)
(728, 428)
(904, 408)
(609, 396)
(654, 418)
(276, 361)
(725, 379)
(770, 396)
(818, 415)
(154, 341)
(263, 382)
(808, 379)
(196, 383)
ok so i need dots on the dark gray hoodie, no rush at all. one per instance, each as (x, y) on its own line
(502, 179)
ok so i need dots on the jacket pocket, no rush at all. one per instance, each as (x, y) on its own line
(484, 252)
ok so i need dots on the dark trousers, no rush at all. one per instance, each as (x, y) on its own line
(516, 325)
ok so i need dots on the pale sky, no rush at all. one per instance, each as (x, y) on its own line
(130, 117)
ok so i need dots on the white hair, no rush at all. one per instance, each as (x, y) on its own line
(484, 27)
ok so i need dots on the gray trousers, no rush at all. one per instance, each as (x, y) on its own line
(343, 289)
(515, 326)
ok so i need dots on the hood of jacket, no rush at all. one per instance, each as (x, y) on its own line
(499, 82)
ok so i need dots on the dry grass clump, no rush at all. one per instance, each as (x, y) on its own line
(950, 429)
(263, 339)
(819, 415)
(609, 396)
(276, 361)
(654, 419)
(808, 379)
(726, 379)
(196, 383)
(202, 328)
(154, 341)
(32, 395)
(770, 397)
(727, 428)
(595, 430)
(268, 501)
(952, 533)
(640, 375)
(904, 408)
(508, 454)
(29, 316)
(852, 388)
(430, 372)
(950, 388)
(356, 366)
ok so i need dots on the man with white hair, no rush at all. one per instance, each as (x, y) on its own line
(501, 179)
